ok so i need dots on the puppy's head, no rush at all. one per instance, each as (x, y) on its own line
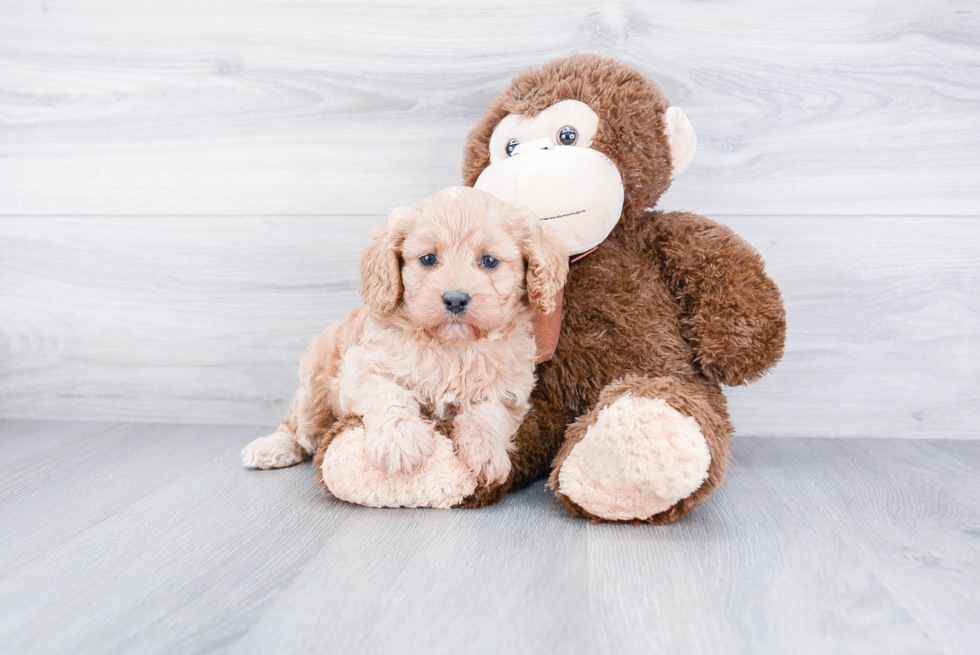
(461, 264)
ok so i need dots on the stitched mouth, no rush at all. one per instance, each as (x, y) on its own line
(581, 211)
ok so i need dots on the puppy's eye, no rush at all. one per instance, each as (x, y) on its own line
(428, 260)
(513, 143)
(567, 136)
(489, 262)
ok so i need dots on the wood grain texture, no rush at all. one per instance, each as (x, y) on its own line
(811, 546)
(28, 440)
(507, 579)
(883, 335)
(92, 477)
(309, 107)
(807, 534)
(168, 318)
(204, 319)
(192, 547)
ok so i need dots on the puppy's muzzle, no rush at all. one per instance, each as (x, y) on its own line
(456, 301)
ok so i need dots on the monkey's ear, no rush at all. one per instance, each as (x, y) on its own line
(381, 275)
(682, 139)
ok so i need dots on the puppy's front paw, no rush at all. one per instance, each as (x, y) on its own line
(398, 444)
(276, 451)
(481, 450)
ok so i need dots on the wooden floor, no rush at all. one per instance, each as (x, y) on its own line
(141, 538)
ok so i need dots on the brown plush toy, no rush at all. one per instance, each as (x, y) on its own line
(628, 418)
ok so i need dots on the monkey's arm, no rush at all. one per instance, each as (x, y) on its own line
(733, 313)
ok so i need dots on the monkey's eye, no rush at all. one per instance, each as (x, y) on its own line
(489, 262)
(513, 143)
(428, 260)
(567, 136)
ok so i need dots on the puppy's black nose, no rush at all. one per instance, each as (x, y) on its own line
(456, 301)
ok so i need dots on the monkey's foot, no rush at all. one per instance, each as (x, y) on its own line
(639, 457)
(346, 472)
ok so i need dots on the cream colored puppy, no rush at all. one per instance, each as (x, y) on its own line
(450, 287)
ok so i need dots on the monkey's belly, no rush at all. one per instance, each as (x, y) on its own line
(620, 318)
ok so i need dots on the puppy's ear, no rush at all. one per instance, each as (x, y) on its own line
(547, 265)
(381, 275)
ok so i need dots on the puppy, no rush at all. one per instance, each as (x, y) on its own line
(450, 287)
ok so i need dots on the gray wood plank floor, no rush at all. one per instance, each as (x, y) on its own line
(124, 538)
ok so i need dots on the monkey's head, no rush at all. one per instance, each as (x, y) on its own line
(578, 142)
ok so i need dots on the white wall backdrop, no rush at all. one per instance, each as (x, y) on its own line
(183, 186)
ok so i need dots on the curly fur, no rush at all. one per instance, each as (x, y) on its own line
(403, 361)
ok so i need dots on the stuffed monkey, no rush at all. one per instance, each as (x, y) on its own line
(628, 418)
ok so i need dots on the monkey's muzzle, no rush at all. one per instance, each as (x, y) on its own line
(577, 191)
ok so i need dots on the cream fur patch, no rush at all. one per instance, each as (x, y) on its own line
(441, 483)
(639, 458)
